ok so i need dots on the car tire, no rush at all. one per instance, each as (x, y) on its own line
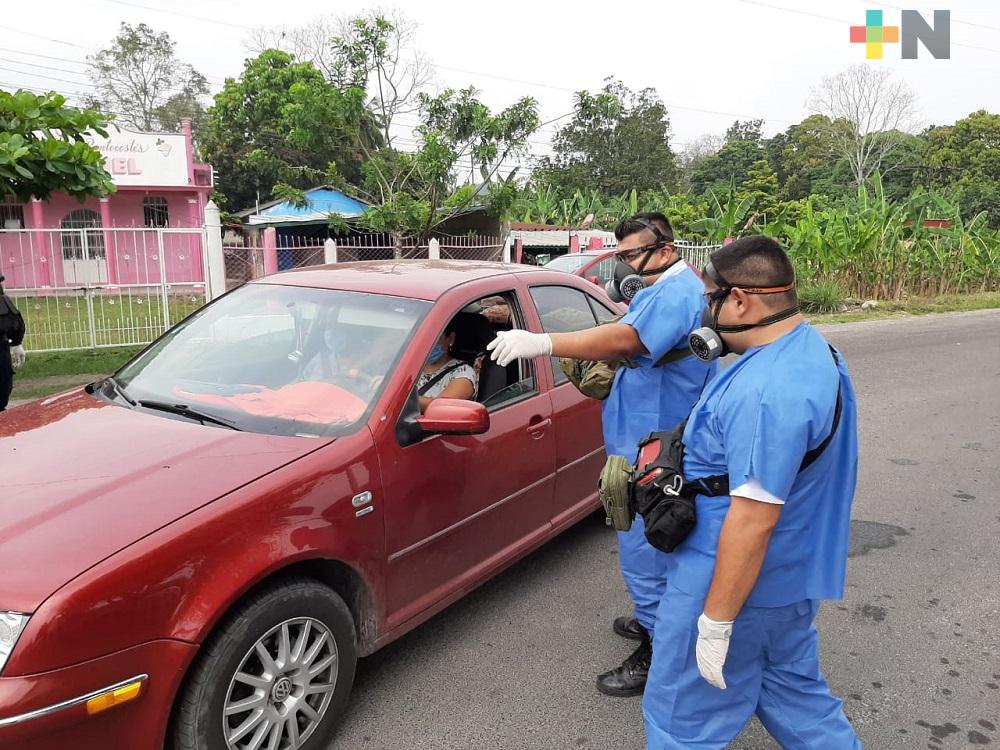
(255, 674)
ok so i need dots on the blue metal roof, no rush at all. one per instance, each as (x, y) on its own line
(322, 203)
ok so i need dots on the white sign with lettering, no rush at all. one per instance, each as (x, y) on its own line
(156, 159)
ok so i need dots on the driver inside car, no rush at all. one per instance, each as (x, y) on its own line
(444, 375)
(338, 359)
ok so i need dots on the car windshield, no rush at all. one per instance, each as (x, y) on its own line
(277, 359)
(569, 262)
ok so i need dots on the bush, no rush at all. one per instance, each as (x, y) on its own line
(820, 297)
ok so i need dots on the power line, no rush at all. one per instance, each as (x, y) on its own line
(183, 15)
(46, 38)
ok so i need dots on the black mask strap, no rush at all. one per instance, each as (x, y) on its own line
(724, 288)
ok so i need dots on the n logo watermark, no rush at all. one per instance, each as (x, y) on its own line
(913, 28)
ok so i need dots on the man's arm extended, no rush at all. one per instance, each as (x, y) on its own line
(611, 341)
(742, 545)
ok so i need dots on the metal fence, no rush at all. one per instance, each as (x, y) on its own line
(694, 253)
(96, 287)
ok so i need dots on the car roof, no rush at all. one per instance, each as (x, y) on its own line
(418, 279)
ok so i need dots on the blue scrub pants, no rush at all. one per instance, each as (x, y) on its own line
(644, 569)
(772, 669)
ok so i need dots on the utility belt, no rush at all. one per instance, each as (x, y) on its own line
(655, 486)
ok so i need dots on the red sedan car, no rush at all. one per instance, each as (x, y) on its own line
(597, 266)
(197, 550)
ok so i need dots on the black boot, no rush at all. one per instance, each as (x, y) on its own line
(630, 678)
(629, 627)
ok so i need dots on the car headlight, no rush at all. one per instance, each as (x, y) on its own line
(12, 624)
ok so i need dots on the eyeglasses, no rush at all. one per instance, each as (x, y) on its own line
(627, 256)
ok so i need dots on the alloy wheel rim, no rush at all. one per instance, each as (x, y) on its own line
(282, 688)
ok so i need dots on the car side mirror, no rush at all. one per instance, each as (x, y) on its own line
(594, 280)
(453, 416)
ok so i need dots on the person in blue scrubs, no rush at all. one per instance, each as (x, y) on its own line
(735, 628)
(667, 305)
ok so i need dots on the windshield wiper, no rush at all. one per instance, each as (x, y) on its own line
(186, 411)
(118, 389)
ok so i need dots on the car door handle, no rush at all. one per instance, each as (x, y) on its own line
(538, 427)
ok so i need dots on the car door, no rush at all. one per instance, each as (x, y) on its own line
(579, 439)
(459, 507)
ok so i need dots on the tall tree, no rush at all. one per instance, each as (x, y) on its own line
(618, 140)
(806, 158)
(140, 79)
(966, 156)
(415, 192)
(281, 122)
(761, 188)
(694, 153)
(731, 165)
(376, 51)
(747, 130)
(42, 148)
(878, 109)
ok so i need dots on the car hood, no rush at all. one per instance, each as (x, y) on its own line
(81, 479)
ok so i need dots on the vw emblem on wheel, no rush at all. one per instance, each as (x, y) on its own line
(281, 690)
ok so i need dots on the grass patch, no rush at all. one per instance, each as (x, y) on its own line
(52, 364)
(820, 297)
(917, 306)
(45, 373)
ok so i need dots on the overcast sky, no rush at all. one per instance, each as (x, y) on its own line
(711, 61)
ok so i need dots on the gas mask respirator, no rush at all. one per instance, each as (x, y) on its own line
(627, 281)
(706, 342)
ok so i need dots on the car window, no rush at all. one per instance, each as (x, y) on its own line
(569, 263)
(562, 309)
(475, 325)
(605, 270)
(604, 314)
(279, 359)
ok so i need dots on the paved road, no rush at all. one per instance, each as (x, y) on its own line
(914, 649)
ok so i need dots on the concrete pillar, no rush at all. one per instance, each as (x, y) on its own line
(214, 259)
(574, 243)
(40, 245)
(110, 242)
(519, 251)
(270, 251)
(329, 251)
(188, 148)
(433, 249)
(595, 243)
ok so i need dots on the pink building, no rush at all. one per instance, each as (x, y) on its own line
(136, 236)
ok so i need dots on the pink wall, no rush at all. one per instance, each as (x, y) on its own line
(132, 253)
(35, 259)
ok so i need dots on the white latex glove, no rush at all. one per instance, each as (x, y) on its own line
(17, 356)
(712, 649)
(511, 345)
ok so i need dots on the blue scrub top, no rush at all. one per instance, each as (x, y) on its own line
(647, 399)
(757, 420)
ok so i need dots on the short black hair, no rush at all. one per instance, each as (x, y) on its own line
(756, 261)
(641, 222)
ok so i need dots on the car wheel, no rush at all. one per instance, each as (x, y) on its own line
(275, 676)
